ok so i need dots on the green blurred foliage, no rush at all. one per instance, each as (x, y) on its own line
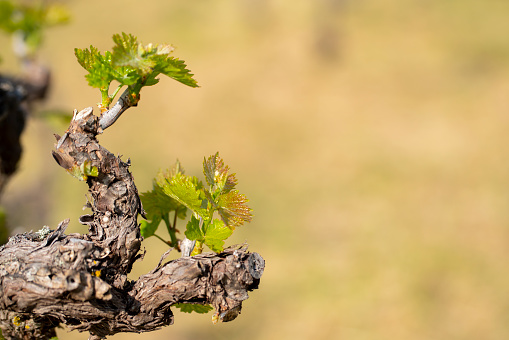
(29, 20)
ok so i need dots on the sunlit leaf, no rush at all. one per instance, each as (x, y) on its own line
(233, 209)
(219, 197)
(131, 64)
(186, 190)
(128, 52)
(216, 173)
(177, 69)
(193, 230)
(158, 205)
(215, 234)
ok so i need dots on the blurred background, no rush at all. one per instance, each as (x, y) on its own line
(370, 137)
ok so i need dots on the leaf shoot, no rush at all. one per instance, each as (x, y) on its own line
(131, 64)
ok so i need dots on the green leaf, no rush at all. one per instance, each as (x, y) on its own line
(100, 71)
(233, 209)
(132, 65)
(193, 230)
(177, 69)
(88, 170)
(221, 197)
(191, 307)
(158, 202)
(214, 170)
(186, 190)
(86, 58)
(158, 205)
(128, 52)
(147, 228)
(216, 174)
(215, 234)
(83, 170)
(76, 172)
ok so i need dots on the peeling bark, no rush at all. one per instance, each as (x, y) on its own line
(49, 278)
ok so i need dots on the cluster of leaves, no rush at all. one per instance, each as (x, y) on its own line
(28, 21)
(130, 64)
(217, 207)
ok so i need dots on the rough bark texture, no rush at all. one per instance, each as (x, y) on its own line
(48, 277)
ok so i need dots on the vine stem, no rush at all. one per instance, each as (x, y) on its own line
(171, 231)
(110, 116)
(114, 94)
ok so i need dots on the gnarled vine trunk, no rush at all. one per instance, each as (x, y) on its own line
(48, 277)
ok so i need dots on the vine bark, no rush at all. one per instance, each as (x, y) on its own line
(49, 278)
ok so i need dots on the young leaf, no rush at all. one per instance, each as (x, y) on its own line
(186, 190)
(158, 202)
(191, 307)
(100, 71)
(83, 170)
(216, 174)
(220, 197)
(215, 171)
(147, 228)
(86, 58)
(177, 69)
(158, 205)
(88, 170)
(193, 230)
(233, 209)
(132, 65)
(215, 234)
(128, 52)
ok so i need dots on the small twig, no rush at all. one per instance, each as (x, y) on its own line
(187, 246)
(114, 94)
(175, 220)
(110, 116)
(171, 230)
